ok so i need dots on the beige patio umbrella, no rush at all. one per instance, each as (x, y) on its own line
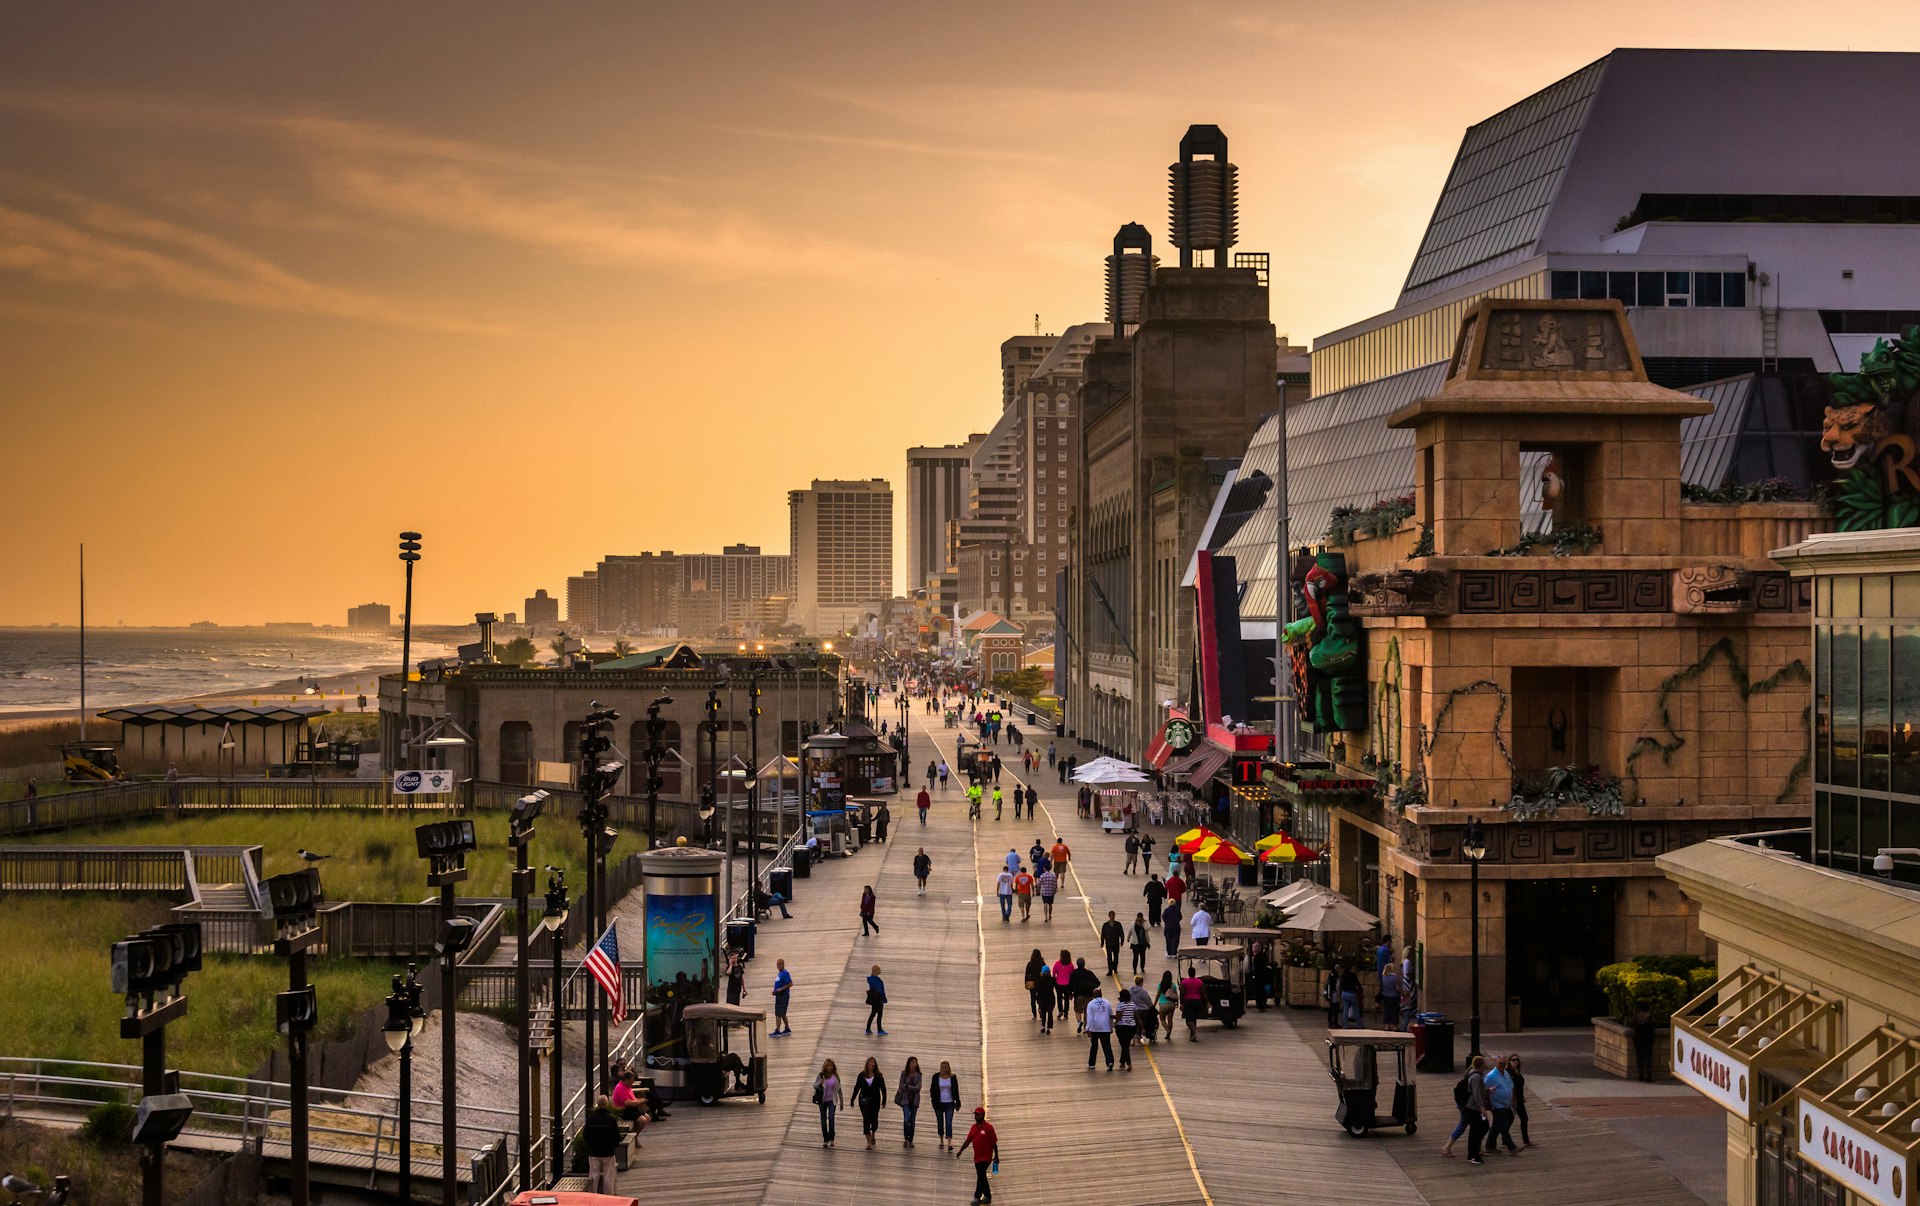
(1294, 894)
(1329, 915)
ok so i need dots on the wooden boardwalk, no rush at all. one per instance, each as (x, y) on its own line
(1243, 1116)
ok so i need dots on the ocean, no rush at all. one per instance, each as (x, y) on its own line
(40, 667)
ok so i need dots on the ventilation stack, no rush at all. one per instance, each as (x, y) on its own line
(1129, 272)
(1203, 197)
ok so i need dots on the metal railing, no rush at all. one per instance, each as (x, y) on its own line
(164, 869)
(345, 1127)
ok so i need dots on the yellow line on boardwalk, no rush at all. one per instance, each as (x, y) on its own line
(1086, 902)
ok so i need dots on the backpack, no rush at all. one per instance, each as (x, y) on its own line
(1460, 1091)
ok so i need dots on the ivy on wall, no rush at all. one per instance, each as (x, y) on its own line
(1479, 687)
(1387, 713)
(1794, 671)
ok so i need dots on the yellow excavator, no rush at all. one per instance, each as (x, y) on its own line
(91, 762)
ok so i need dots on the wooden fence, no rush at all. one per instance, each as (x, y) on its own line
(496, 988)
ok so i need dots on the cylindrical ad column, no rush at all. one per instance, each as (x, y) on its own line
(682, 886)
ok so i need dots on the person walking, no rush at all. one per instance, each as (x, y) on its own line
(1019, 799)
(1170, 922)
(1411, 986)
(986, 1155)
(946, 1099)
(933, 773)
(1392, 990)
(1012, 860)
(924, 801)
(1193, 1003)
(1176, 888)
(881, 821)
(1060, 854)
(601, 1136)
(906, 1095)
(1155, 892)
(1133, 854)
(782, 995)
(1519, 1079)
(999, 801)
(1033, 800)
(1500, 1098)
(1139, 939)
(1462, 1099)
(1146, 852)
(828, 1095)
(1003, 888)
(1099, 1027)
(1350, 1007)
(922, 868)
(1479, 1107)
(1023, 892)
(1031, 976)
(1035, 854)
(996, 768)
(1166, 999)
(1201, 926)
(1112, 934)
(870, 1093)
(736, 976)
(868, 903)
(1083, 984)
(1126, 1024)
(1052, 756)
(1062, 768)
(876, 1002)
(1062, 985)
(1048, 883)
(943, 777)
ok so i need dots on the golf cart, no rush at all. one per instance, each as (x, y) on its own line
(1353, 1058)
(1223, 971)
(714, 1068)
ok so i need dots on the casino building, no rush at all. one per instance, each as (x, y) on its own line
(1811, 1041)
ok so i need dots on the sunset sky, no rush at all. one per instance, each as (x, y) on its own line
(549, 281)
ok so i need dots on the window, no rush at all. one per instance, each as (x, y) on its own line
(1061, 424)
(1620, 287)
(1063, 521)
(1593, 286)
(1733, 289)
(1563, 286)
(1679, 288)
(1706, 289)
(516, 752)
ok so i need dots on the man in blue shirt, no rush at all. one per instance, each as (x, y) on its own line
(782, 992)
(1500, 1097)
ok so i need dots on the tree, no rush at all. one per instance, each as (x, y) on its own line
(1021, 684)
(559, 646)
(622, 648)
(517, 652)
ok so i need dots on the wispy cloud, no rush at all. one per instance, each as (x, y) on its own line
(902, 146)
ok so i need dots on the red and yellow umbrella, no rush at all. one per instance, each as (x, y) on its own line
(1284, 848)
(1194, 839)
(1222, 851)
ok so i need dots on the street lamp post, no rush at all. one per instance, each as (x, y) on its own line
(555, 920)
(405, 1019)
(526, 810)
(445, 845)
(1473, 844)
(409, 553)
(656, 731)
(597, 778)
(753, 799)
(148, 970)
(294, 899)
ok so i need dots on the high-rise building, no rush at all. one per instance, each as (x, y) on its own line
(636, 591)
(583, 602)
(370, 615)
(1019, 356)
(542, 610)
(937, 488)
(740, 578)
(842, 535)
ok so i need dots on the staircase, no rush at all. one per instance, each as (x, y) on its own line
(1769, 338)
(232, 897)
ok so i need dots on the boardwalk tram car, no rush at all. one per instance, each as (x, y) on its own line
(717, 1036)
(1223, 972)
(1353, 1059)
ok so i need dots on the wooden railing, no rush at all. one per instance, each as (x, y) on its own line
(495, 987)
(162, 869)
(396, 930)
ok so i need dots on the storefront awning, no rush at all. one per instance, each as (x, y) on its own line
(1858, 1117)
(1200, 765)
(1748, 1023)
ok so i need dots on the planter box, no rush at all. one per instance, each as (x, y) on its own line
(1613, 1050)
(1301, 986)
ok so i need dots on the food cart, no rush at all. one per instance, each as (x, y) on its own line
(1118, 807)
(1222, 970)
(715, 1069)
(1353, 1059)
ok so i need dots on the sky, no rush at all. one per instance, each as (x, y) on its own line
(551, 281)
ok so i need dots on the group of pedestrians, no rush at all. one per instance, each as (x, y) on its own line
(868, 1093)
(1490, 1097)
(1068, 987)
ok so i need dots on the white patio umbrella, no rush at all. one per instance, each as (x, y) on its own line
(1295, 894)
(1330, 915)
(1109, 771)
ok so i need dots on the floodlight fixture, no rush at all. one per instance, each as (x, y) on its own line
(161, 1117)
(297, 1011)
(456, 935)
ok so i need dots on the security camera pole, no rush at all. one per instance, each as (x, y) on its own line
(519, 835)
(147, 970)
(295, 901)
(597, 778)
(409, 553)
(656, 730)
(445, 845)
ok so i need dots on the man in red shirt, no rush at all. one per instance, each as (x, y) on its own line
(986, 1153)
(1023, 892)
(924, 801)
(1176, 888)
(1060, 855)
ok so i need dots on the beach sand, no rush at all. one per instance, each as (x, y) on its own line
(329, 691)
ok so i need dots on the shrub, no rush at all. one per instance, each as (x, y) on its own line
(1700, 979)
(108, 1124)
(1636, 989)
(1681, 966)
(1608, 977)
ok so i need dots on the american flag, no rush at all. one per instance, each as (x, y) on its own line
(603, 963)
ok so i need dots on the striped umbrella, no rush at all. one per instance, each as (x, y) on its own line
(1194, 839)
(1222, 851)
(1284, 848)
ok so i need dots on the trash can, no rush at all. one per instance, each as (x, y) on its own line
(780, 880)
(802, 863)
(1419, 1032)
(1438, 1056)
(1513, 1015)
(1249, 875)
(740, 936)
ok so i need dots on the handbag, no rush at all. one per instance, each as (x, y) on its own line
(817, 1098)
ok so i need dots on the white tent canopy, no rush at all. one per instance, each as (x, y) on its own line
(1109, 770)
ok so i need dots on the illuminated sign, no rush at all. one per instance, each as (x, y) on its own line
(1725, 1078)
(1867, 1166)
(1246, 771)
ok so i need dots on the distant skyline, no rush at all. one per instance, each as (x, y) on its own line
(551, 282)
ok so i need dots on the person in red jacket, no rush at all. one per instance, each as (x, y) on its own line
(986, 1153)
(1176, 888)
(924, 802)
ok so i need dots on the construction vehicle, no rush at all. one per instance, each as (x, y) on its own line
(91, 762)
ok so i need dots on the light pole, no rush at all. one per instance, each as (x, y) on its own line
(596, 780)
(555, 919)
(147, 969)
(409, 553)
(295, 901)
(1473, 844)
(445, 845)
(656, 731)
(753, 802)
(405, 1019)
(526, 810)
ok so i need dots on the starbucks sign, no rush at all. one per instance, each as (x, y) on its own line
(1181, 735)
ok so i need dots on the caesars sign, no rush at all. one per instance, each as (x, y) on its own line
(1863, 1164)
(1720, 1076)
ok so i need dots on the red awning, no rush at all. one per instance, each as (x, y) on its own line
(1201, 765)
(1158, 751)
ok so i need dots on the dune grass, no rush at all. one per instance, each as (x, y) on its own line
(373, 854)
(54, 990)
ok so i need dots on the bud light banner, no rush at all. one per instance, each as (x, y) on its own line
(682, 958)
